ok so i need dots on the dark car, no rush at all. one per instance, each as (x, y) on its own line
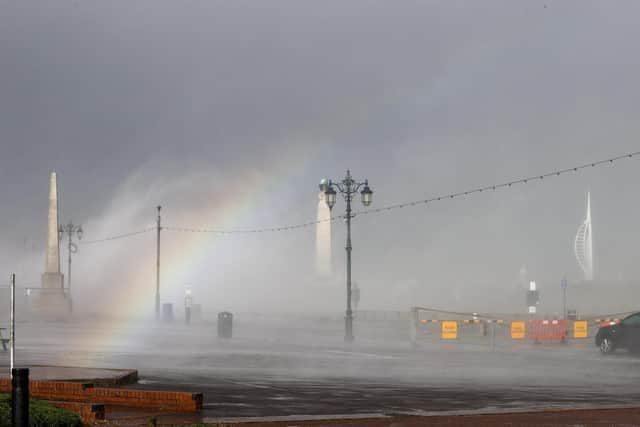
(624, 334)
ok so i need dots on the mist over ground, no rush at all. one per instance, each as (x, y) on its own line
(229, 114)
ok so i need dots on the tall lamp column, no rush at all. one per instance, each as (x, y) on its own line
(70, 230)
(348, 187)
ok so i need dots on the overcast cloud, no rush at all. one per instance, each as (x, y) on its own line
(202, 105)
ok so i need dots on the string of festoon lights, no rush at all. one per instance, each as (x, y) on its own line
(118, 236)
(413, 203)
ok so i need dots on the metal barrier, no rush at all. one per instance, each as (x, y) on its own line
(548, 330)
(468, 330)
(480, 329)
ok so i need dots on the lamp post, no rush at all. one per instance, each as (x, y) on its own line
(188, 300)
(70, 230)
(563, 286)
(348, 187)
(158, 230)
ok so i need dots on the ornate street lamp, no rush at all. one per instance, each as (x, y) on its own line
(348, 187)
(330, 196)
(70, 230)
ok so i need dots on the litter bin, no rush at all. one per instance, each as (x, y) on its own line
(225, 324)
(167, 312)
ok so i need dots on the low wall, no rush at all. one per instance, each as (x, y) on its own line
(83, 392)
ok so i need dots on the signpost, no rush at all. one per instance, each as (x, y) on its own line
(19, 376)
(12, 326)
(533, 297)
(563, 286)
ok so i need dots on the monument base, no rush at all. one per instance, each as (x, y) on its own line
(50, 301)
(50, 304)
(53, 281)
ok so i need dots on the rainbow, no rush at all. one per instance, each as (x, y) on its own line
(192, 249)
(189, 251)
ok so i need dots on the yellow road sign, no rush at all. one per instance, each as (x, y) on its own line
(449, 330)
(518, 330)
(580, 329)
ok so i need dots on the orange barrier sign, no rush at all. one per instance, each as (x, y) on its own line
(449, 330)
(518, 330)
(580, 329)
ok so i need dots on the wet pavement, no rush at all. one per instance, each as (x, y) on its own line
(284, 367)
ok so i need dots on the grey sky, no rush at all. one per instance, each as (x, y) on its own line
(189, 103)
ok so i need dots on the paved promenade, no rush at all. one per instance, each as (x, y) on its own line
(280, 368)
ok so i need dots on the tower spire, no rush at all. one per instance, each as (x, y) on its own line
(583, 244)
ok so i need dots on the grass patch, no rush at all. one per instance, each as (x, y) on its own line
(41, 414)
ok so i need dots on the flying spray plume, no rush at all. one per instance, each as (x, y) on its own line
(323, 235)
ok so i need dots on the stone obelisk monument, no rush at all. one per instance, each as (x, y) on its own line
(51, 300)
(52, 278)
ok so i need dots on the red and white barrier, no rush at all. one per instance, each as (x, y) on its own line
(548, 330)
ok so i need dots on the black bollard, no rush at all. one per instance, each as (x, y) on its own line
(225, 325)
(20, 397)
(167, 312)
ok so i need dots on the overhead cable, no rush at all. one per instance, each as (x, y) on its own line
(494, 187)
(119, 236)
(413, 203)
